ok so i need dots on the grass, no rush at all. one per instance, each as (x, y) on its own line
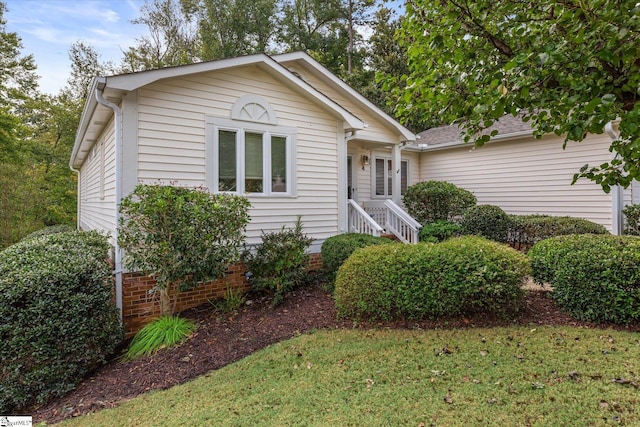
(497, 377)
(166, 331)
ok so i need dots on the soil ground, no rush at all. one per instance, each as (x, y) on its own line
(224, 338)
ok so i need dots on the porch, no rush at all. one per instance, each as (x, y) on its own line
(380, 217)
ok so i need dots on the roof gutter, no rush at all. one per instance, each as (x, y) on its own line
(617, 196)
(99, 90)
(513, 135)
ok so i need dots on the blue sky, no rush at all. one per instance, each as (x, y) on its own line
(48, 28)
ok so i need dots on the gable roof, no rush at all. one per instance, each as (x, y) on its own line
(321, 72)
(95, 116)
(450, 136)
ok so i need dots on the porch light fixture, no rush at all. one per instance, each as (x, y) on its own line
(364, 161)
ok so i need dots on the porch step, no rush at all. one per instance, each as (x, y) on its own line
(389, 236)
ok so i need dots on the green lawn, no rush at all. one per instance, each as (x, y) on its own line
(471, 377)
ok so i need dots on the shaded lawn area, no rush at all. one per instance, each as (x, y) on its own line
(514, 375)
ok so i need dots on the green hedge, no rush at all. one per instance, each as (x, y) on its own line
(632, 214)
(460, 276)
(336, 249)
(432, 201)
(594, 277)
(58, 318)
(488, 221)
(438, 231)
(529, 229)
(53, 229)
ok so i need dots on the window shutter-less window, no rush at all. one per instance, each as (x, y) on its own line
(253, 148)
(227, 160)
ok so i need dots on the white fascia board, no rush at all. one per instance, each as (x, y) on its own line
(324, 73)
(89, 108)
(133, 81)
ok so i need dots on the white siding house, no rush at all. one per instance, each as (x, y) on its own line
(281, 130)
(524, 175)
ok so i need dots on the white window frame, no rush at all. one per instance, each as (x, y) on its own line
(374, 166)
(216, 124)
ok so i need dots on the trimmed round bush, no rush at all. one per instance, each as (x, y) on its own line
(58, 319)
(53, 229)
(438, 231)
(336, 249)
(529, 229)
(594, 277)
(488, 221)
(460, 276)
(432, 201)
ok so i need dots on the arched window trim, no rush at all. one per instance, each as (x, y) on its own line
(253, 108)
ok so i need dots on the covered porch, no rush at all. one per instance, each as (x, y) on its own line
(378, 174)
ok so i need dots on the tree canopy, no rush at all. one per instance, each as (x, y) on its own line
(569, 67)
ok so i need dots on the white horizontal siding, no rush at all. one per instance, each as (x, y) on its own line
(527, 176)
(171, 146)
(97, 207)
(375, 129)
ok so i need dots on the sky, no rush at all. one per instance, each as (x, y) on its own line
(48, 28)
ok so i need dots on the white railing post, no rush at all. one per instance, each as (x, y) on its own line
(361, 222)
(401, 224)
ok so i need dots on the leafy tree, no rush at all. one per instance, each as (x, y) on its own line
(172, 38)
(569, 67)
(318, 27)
(181, 236)
(229, 28)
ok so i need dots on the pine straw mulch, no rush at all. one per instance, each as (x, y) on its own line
(224, 338)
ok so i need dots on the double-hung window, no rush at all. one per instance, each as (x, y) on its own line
(383, 170)
(250, 158)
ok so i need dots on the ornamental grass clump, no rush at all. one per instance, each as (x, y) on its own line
(594, 277)
(460, 276)
(59, 321)
(164, 332)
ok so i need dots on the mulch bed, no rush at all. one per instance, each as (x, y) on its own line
(224, 338)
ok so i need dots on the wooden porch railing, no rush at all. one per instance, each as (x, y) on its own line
(360, 221)
(401, 224)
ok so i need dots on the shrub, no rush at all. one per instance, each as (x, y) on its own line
(488, 221)
(58, 318)
(632, 214)
(336, 249)
(279, 263)
(166, 331)
(594, 277)
(438, 231)
(460, 276)
(529, 229)
(431, 201)
(53, 229)
(181, 236)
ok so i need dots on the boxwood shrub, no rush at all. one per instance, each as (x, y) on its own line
(438, 231)
(336, 249)
(52, 229)
(432, 201)
(594, 277)
(460, 276)
(488, 221)
(529, 229)
(58, 318)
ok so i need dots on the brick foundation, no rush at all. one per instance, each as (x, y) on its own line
(140, 305)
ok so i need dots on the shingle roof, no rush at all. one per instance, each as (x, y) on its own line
(451, 134)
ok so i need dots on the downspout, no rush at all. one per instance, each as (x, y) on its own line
(117, 112)
(617, 199)
(79, 185)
